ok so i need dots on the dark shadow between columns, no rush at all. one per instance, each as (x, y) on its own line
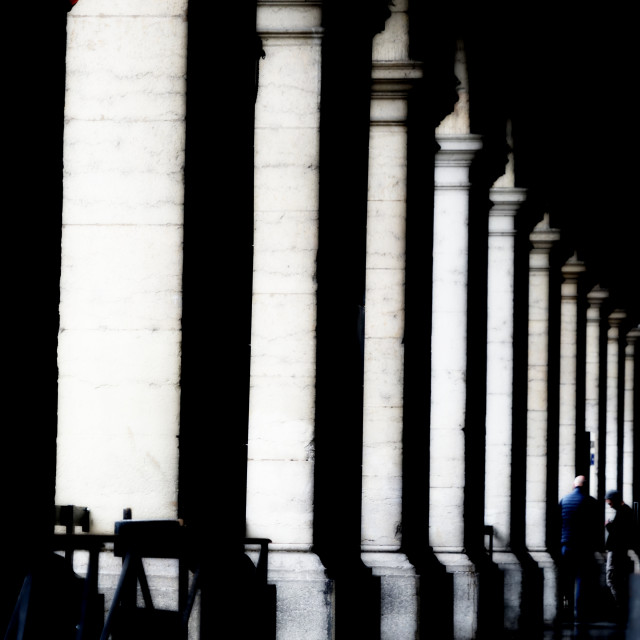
(217, 287)
(33, 55)
(344, 134)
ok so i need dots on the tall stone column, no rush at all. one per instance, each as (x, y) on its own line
(612, 444)
(567, 443)
(392, 76)
(506, 199)
(542, 239)
(449, 354)
(629, 416)
(120, 308)
(595, 298)
(280, 467)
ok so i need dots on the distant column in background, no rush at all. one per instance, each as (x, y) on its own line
(506, 200)
(280, 465)
(393, 74)
(612, 444)
(630, 414)
(449, 353)
(595, 298)
(542, 239)
(121, 284)
(569, 320)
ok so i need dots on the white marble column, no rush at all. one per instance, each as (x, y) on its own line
(613, 400)
(629, 416)
(595, 298)
(449, 353)
(542, 239)
(506, 200)
(392, 76)
(120, 287)
(567, 436)
(282, 377)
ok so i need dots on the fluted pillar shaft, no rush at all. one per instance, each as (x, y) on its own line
(542, 239)
(595, 298)
(567, 437)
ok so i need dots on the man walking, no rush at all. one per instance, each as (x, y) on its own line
(622, 535)
(578, 544)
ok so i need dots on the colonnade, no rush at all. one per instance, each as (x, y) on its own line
(120, 336)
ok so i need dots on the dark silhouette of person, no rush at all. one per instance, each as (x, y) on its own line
(622, 535)
(578, 540)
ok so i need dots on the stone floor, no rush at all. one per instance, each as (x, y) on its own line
(600, 630)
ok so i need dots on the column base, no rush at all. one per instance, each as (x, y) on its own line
(304, 596)
(465, 593)
(512, 572)
(550, 585)
(399, 594)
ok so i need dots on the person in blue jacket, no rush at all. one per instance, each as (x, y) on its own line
(579, 543)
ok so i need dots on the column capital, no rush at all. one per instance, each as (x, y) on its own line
(505, 202)
(633, 335)
(572, 268)
(543, 236)
(391, 81)
(289, 18)
(506, 199)
(616, 317)
(457, 150)
(394, 77)
(393, 74)
(597, 296)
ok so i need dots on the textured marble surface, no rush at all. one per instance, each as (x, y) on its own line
(499, 406)
(283, 341)
(120, 287)
(569, 327)
(630, 415)
(593, 356)
(613, 405)
(448, 340)
(542, 238)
